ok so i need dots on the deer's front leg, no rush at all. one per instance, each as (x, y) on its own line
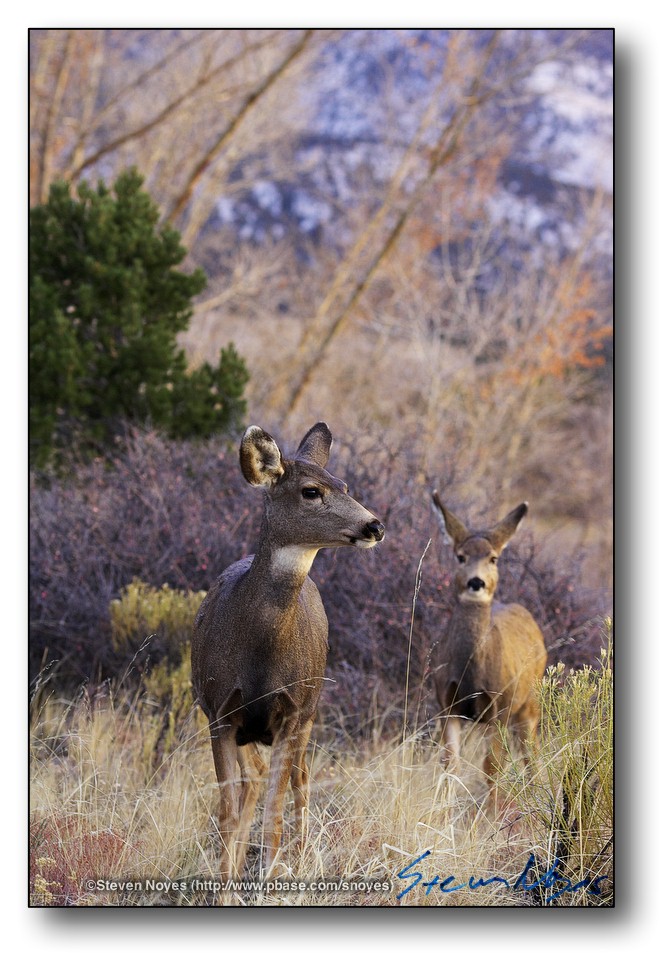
(281, 762)
(223, 742)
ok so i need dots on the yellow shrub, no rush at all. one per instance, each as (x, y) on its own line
(570, 796)
(172, 689)
(142, 611)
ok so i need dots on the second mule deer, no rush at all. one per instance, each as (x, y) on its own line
(486, 665)
(259, 645)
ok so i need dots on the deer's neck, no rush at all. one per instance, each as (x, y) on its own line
(473, 622)
(291, 564)
(278, 572)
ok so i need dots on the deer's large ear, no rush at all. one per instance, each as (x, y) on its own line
(501, 534)
(315, 446)
(260, 458)
(454, 531)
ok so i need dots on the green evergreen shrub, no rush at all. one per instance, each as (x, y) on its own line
(106, 303)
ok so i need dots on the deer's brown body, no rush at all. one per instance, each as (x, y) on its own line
(259, 645)
(487, 664)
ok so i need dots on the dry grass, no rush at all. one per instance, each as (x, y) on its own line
(105, 805)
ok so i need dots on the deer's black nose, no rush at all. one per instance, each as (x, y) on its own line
(374, 530)
(475, 583)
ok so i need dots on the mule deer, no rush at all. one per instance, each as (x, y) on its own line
(259, 645)
(486, 666)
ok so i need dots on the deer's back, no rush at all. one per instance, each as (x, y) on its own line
(522, 656)
(522, 641)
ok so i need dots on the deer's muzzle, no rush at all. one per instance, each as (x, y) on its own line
(374, 530)
(475, 583)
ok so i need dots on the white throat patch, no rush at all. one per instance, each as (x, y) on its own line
(293, 560)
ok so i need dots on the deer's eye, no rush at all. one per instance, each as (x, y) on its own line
(461, 558)
(311, 493)
(493, 560)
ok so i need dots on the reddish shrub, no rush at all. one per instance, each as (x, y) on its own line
(179, 513)
(65, 854)
(163, 511)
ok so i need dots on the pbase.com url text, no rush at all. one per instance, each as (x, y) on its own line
(200, 884)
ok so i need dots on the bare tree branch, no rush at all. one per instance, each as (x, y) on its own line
(172, 106)
(179, 203)
(91, 90)
(46, 156)
(321, 331)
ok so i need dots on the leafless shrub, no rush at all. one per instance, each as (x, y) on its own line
(163, 512)
(179, 513)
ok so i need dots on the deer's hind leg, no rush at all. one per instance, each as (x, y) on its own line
(525, 723)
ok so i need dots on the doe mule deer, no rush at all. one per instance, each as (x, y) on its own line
(259, 645)
(487, 664)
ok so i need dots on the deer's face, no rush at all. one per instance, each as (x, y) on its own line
(477, 575)
(306, 508)
(309, 507)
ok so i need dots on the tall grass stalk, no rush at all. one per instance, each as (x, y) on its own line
(417, 587)
(110, 802)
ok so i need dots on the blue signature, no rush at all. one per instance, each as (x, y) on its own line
(550, 880)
